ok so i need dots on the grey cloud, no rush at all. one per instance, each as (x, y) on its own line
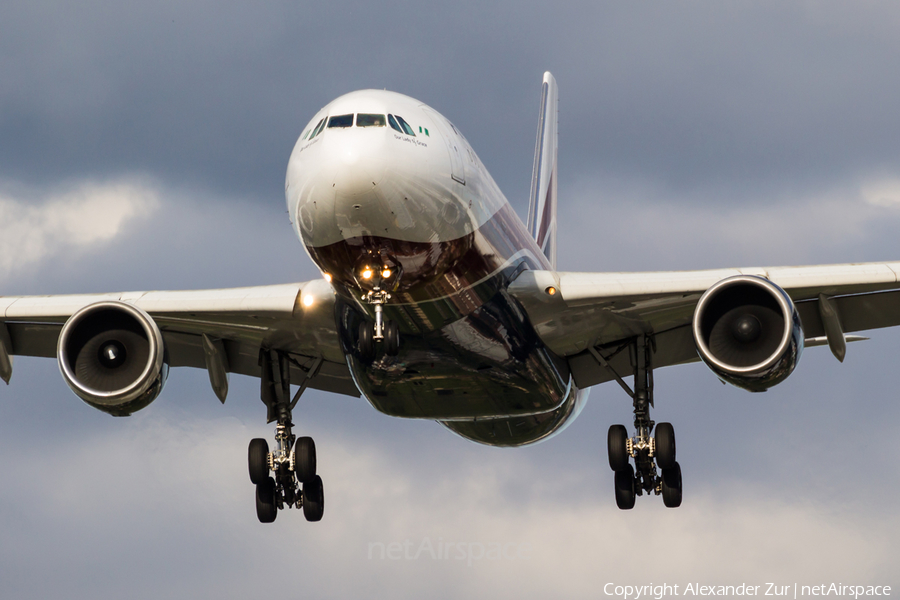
(160, 504)
(191, 239)
(746, 94)
(727, 227)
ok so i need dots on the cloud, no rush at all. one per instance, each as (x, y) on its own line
(167, 493)
(38, 227)
(644, 226)
(885, 193)
(741, 93)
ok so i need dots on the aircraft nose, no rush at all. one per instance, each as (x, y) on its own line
(338, 181)
(358, 160)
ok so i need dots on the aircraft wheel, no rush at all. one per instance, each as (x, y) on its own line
(266, 511)
(391, 338)
(625, 488)
(258, 459)
(665, 446)
(305, 459)
(671, 486)
(313, 499)
(618, 454)
(366, 343)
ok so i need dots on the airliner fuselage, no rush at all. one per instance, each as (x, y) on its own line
(389, 198)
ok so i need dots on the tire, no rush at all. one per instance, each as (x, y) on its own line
(266, 510)
(305, 459)
(313, 499)
(366, 342)
(671, 486)
(258, 460)
(391, 338)
(665, 446)
(625, 488)
(618, 454)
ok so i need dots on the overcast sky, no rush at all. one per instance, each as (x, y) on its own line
(143, 146)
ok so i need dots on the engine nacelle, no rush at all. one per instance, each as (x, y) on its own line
(113, 357)
(748, 331)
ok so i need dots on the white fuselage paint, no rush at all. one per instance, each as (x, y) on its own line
(349, 182)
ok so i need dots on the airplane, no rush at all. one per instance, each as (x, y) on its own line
(437, 302)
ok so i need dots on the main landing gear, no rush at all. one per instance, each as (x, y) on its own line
(648, 452)
(285, 477)
(380, 330)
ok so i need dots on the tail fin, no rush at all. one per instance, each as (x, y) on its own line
(542, 207)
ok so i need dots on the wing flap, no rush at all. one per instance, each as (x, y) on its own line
(857, 313)
(186, 350)
(34, 339)
(673, 347)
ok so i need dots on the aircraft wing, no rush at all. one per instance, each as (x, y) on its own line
(591, 311)
(295, 318)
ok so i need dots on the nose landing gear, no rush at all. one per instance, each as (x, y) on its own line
(648, 452)
(285, 477)
(379, 331)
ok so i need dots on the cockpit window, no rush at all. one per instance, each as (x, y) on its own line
(406, 128)
(340, 121)
(397, 123)
(317, 129)
(363, 120)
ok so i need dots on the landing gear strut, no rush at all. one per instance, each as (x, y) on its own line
(379, 331)
(648, 452)
(285, 477)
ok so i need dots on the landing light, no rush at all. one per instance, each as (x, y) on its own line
(386, 273)
(367, 273)
(307, 300)
(327, 277)
(551, 291)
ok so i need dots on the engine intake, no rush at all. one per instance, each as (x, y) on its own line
(747, 330)
(112, 356)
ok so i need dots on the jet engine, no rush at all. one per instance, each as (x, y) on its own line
(113, 357)
(748, 331)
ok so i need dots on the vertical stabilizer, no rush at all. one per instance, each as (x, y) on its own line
(542, 206)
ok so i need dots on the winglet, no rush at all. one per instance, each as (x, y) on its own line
(542, 204)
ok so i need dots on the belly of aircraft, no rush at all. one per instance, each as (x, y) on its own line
(488, 363)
